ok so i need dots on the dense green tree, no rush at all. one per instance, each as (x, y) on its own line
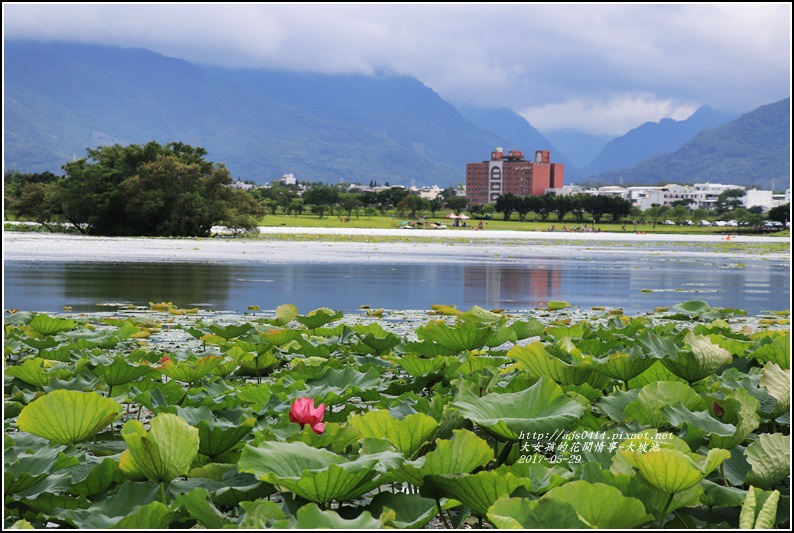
(730, 199)
(33, 197)
(322, 196)
(296, 206)
(506, 204)
(349, 202)
(679, 213)
(656, 213)
(413, 204)
(152, 189)
(781, 213)
(457, 203)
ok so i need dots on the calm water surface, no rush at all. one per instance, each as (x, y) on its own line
(617, 280)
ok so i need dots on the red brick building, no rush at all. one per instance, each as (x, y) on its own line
(511, 173)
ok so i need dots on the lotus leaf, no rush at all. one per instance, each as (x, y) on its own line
(199, 506)
(311, 517)
(24, 470)
(542, 408)
(190, 371)
(543, 514)
(526, 329)
(739, 409)
(556, 305)
(334, 437)
(699, 359)
(776, 350)
(461, 455)
(647, 408)
(693, 307)
(537, 359)
(623, 365)
(671, 470)
(285, 314)
(68, 417)
(464, 336)
(559, 332)
(165, 452)
(601, 505)
(46, 325)
(276, 337)
(230, 331)
(778, 382)
(769, 458)
(41, 344)
(32, 372)
(407, 435)
(542, 475)
(218, 435)
(759, 512)
(479, 491)
(428, 349)
(117, 371)
(418, 366)
(656, 372)
(336, 386)
(411, 510)
(132, 507)
(471, 364)
(316, 475)
(319, 318)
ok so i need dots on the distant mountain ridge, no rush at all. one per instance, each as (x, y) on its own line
(754, 149)
(62, 98)
(653, 138)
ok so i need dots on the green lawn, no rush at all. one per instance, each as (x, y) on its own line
(389, 222)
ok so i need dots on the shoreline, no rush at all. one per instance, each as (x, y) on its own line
(431, 246)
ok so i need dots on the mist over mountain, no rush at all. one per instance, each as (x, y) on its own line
(582, 148)
(652, 139)
(752, 150)
(63, 98)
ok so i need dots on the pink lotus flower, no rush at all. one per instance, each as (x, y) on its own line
(303, 412)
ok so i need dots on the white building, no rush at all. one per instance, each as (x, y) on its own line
(288, 179)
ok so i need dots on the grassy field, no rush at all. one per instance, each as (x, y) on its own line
(389, 222)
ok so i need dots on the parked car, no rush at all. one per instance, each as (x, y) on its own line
(687, 223)
(720, 223)
(733, 223)
(704, 223)
(668, 223)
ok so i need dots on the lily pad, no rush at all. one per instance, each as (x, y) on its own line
(68, 417)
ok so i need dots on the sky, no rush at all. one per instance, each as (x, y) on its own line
(597, 68)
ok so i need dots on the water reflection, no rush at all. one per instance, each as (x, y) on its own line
(619, 281)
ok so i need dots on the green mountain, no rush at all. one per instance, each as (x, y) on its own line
(754, 149)
(63, 98)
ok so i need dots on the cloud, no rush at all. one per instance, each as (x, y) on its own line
(562, 57)
(613, 116)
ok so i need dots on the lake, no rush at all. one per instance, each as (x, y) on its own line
(312, 275)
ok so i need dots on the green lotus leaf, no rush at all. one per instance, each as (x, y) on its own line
(229, 364)
(778, 382)
(647, 408)
(700, 358)
(671, 470)
(154, 515)
(61, 353)
(481, 316)
(462, 454)
(407, 435)
(543, 514)
(165, 452)
(319, 317)
(501, 335)
(464, 336)
(601, 505)
(68, 417)
(693, 307)
(573, 331)
(94, 475)
(254, 395)
(777, 351)
(526, 329)
(656, 372)
(198, 505)
(254, 364)
(46, 325)
(419, 366)
(623, 365)
(677, 414)
(22, 470)
(759, 509)
(769, 458)
(276, 336)
(717, 495)
(335, 437)
(740, 409)
(541, 408)
(41, 344)
(411, 510)
(428, 349)
(374, 336)
(615, 404)
(230, 331)
(131, 502)
(22, 524)
(736, 347)
(471, 364)
(542, 475)
(479, 491)
(556, 305)
(117, 371)
(221, 434)
(336, 386)
(31, 372)
(316, 474)
(537, 359)
(312, 517)
(190, 371)
(285, 314)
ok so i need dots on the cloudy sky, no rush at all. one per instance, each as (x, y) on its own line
(602, 69)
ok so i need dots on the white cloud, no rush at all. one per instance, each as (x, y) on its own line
(559, 57)
(613, 116)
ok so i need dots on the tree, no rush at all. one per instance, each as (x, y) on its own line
(295, 207)
(152, 189)
(656, 213)
(506, 204)
(412, 203)
(349, 202)
(322, 196)
(679, 213)
(730, 199)
(781, 213)
(457, 203)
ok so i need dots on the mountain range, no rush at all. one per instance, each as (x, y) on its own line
(63, 98)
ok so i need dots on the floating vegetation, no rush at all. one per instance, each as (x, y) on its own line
(561, 418)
